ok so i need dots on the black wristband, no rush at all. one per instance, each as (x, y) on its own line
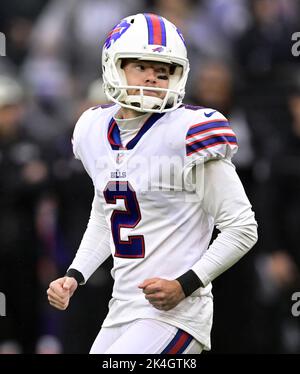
(75, 274)
(189, 282)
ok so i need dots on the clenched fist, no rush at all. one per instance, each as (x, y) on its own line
(60, 292)
(161, 293)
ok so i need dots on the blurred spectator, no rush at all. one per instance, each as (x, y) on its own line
(74, 31)
(94, 96)
(278, 267)
(48, 345)
(229, 17)
(266, 43)
(18, 33)
(24, 175)
(263, 52)
(10, 347)
(16, 20)
(49, 114)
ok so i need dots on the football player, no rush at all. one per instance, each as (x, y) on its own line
(163, 178)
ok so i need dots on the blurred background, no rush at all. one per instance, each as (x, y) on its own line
(241, 64)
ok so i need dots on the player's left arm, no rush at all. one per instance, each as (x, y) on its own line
(210, 145)
(225, 200)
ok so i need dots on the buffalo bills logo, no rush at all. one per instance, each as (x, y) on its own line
(158, 49)
(116, 33)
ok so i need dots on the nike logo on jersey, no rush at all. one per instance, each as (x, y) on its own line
(209, 114)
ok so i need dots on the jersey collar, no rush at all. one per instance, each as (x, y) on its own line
(113, 133)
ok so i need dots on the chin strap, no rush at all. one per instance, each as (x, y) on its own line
(145, 102)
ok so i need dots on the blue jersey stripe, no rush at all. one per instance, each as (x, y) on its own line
(207, 126)
(201, 144)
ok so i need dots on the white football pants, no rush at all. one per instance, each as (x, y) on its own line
(145, 336)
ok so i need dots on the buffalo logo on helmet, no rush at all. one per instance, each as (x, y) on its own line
(158, 49)
(116, 33)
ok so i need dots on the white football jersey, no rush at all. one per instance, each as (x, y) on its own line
(157, 223)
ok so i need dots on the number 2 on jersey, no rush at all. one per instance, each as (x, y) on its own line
(134, 247)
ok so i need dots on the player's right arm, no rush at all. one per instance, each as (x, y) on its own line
(94, 248)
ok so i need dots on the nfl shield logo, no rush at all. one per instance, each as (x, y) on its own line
(120, 157)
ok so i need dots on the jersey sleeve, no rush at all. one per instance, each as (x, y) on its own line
(225, 200)
(210, 137)
(94, 248)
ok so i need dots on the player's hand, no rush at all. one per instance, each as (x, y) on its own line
(60, 292)
(161, 293)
